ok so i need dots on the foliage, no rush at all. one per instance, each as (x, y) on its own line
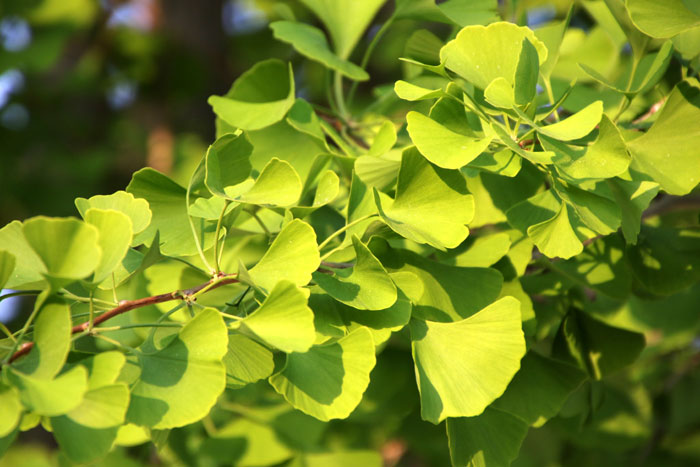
(513, 223)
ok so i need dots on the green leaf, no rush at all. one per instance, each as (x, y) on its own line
(284, 320)
(483, 252)
(170, 217)
(633, 197)
(52, 341)
(526, 74)
(668, 151)
(449, 293)
(328, 381)
(343, 459)
(7, 266)
(432, 205)
(492, 439)
(115, 236)
(444, 147)
(411, 92)
(247, 443)
(366, 287)
(596, 347)
(162, 396)
(227, 163)
(304, 119)
(67, 247)
(136, 209)
(258, 98)
(10, 410)
(666, 260)
(482, 54)
(326, 191)
(87, 432)
(293, 256)
(606, 157)
(311, 42)
(576, 126)
(50, 397)
(662, 19)
(649, 71)
(345, 20)
(246, 361)
(468, 12)
(462, 367)
(500, 93)
(539, 389)
(28, 267)
(277, 185)
(384, 140)
(556, 237)
(552, 36)
(536, 157)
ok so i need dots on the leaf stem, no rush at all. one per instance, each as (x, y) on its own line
(338, 92)
(216, 236)
(343, 229)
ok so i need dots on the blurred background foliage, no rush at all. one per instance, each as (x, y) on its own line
(93, 90)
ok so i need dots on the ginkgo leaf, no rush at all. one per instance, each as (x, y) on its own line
(490, 439)
(577, 125)
(68, 247)
(555, 237)
(606, 157)
(52, 331)
(481, 54)
(663, 19)
(411, 92)
(444, 147)
(284, 320)
(10, 409)
(28, 267)
(526, 74)
(328, 381)
(189, 364)
(668, 151)
(366, 287)
(136, 209)
(227, 163)
(463, 366)
(443, 293)
(292, 256)
(170, 219)
(345, 20)
(246, 361)
(50, 397)
(258, 98)
(7, 266)
(311, 42)
(432, 205)
(277, 185)
(115, 236)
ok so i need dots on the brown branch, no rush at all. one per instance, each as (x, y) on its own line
(652, 110)
(128, 305)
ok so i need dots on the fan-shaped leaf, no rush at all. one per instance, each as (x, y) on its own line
(135, 208)
(284, 320)
(432, 205)
(162, 396)
(366, 287)
(462, 367)
(328, 381)
(258, 98)
(311, 42)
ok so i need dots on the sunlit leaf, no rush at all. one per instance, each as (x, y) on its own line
(462, 367)
(311, 42)
(284, 320)
(258, 98)
(328, 381)
(432, 205)
(293, 256)
(135, 208)
(190, 364)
